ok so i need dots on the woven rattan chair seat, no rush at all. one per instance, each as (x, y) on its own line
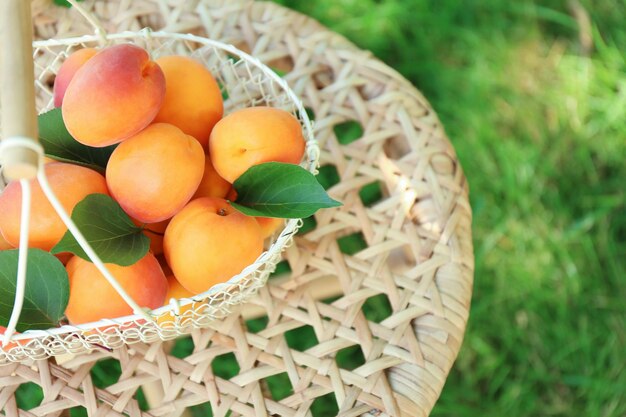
(415, 252)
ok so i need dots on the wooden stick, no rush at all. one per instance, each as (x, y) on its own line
(17, 87)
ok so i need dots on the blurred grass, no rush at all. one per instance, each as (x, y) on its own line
(534, 100)
(536, 109)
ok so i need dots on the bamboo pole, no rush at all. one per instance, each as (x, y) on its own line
(17, 88)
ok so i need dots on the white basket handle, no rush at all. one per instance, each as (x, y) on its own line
(17, 88)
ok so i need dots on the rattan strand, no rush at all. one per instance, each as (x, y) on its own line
(419, 250)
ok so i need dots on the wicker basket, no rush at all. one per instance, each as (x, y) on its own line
(245, 82)
(417, 257)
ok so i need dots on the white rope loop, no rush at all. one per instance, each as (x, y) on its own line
(20, 285)
(22, 260)
(21, 142)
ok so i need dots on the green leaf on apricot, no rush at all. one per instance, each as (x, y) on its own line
(276, 189)
(60, 145)
(108, 229)
(46, 293)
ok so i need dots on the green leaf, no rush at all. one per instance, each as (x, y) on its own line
(64, 3)
(276, 189)
(46, 294)
(109, 231)
(60, 145)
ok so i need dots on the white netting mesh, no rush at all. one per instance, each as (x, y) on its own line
(244, 82)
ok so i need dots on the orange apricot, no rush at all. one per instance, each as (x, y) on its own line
(269, 225)
(113, 96)
(153, 174)
(164, 266)
(92, 298)
(67, 71)
(253, 136)
(208, 242)
(11, 344)
(4, 244)
(176, 291)
(64, 257)
(72, 264)
(193, 100)
(212, 185)
(70, 183)
(154, 232)
(232, 194)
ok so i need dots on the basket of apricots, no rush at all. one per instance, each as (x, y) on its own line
(175, 170)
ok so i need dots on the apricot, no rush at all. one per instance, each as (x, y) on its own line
(153, 174)
(208, 242)
(67, 71)
(212, 185)
(253, 136)
(232, 194)
(193, 100)
(269, 225)
(92, 298)
(72, 264)
(176, 291)
(113, 96)
(164, 266)
(154, 232)
(4, 244)
(11, 344)
(64, 257)
(70, 183)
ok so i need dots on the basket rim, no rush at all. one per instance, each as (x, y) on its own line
(278, 244)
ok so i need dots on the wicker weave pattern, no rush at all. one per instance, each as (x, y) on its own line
(418, 254)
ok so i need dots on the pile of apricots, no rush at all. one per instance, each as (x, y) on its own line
(177, 155)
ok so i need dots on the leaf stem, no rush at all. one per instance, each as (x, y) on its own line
(152, 231)
(145, 229)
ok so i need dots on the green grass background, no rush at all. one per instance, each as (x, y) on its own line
(534, 101)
